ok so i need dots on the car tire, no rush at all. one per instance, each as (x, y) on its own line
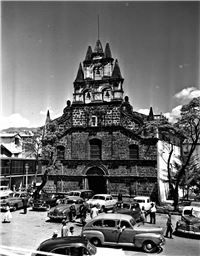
(14, 208)
(95, 241)
(149, 247)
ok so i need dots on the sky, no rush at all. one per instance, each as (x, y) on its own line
(43, 43)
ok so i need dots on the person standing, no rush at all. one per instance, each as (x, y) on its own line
(120, 197)
(83, 213)
(64, 229)
(94, 212)
(7, 216)
(169, 226)
(153, 214)
(72, 213)
(143, 215)
(25, 203)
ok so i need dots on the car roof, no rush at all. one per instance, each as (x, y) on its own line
(74, 198)
(196, 208)
(102, 195)
(141, 197)
(80, 190)
(113, 216)
(50, 244)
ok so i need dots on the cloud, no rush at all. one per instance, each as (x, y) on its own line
(175, 113)
(187, 94)
(144, 111)
(14, 120)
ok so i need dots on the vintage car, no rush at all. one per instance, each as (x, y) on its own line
(143, 201)
(74, 246)
(5, 191)
(71, 245)
(116, 229)
(190, 221)
(15, 203)
(104, 202)
(84, 193)
(129, 207)
(45, 202)
(61, 211)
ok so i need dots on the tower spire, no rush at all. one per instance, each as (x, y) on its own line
(98, 26)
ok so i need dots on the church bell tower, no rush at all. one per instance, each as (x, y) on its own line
(98, 79)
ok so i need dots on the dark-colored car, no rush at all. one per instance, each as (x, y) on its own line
(190, 221)
(72, 245)
(15, 203)
(116, 229)
(61, 211)
(45, 202)
(128, 207)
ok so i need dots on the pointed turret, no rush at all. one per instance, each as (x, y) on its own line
(116, 71)
(107, 51)
(98, 48)
(80, 74)
(89, 53)
(151, 115)
(48, 119)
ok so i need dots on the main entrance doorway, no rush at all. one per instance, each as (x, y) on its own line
(96, 180)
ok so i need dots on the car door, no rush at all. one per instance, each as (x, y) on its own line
(109, 230)
(126, 232)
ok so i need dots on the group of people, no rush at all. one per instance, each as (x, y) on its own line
(152, 213)
(65, 231)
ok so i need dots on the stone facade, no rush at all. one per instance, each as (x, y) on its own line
(100, 141)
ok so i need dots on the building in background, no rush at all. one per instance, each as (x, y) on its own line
(102, 144)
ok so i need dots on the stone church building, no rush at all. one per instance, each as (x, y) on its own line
(101, 143)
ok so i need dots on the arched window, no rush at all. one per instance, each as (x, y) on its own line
(95, 149)
(60, 152)
(133, 152)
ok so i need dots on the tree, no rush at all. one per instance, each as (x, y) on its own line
(189, 125)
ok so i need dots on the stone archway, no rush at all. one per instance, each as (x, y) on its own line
(96, 180)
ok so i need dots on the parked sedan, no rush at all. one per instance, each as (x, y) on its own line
(115, 229)
(128, 207)
(45, 202)
(14, 202)
(62, 210)
(143, 201)
(104, 202)
(190, 221)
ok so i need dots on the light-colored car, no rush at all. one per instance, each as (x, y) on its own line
(102, 201)
(115, 229)
(190, 221)
(143, 201)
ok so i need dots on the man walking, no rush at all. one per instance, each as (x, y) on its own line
(83, 213)
(169, 226)
(153, 214)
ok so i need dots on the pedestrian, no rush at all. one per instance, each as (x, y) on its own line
(169, 226)
(25, 203)
(72, 212)
(64, 229)
(71, 231)
(143, 215)
(7, 216)
(94, 212)
(83, 213)
(153, 214)
(54, 235)
(120, 197)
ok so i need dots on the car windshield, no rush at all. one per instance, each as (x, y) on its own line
(140, 201)
(126, 206)
(99, 197)
(72, 201)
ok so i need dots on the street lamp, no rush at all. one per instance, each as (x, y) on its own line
(26, 169)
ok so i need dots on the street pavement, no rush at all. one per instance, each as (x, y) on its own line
(27, 231)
